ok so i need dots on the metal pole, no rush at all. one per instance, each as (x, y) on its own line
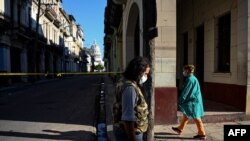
(36, 38)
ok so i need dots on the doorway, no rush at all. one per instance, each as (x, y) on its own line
(200, 55)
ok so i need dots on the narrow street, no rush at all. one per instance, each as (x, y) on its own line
(61, 109)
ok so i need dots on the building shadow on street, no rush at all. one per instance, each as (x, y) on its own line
(53, 102)
(166, 135)
(79, 135)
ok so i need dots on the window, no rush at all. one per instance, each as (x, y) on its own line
(54, 36)
(222, 51)
(185, 48)
(19, 14)
(44, 28)
(30, 18)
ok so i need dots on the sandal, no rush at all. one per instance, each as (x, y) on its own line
(177, 130)
(203, 137)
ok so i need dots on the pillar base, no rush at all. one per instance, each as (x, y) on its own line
(166, 105)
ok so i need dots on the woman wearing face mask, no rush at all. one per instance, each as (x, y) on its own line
(190, 103)
(134, 107)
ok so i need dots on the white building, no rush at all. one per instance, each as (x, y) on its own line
(96, 53)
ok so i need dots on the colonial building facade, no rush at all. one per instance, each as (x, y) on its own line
(211, 34)
(37, 37)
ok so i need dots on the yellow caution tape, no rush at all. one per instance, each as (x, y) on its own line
(58, 74)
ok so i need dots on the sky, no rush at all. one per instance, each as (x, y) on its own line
(90, 15)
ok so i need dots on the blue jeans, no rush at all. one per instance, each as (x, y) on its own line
(120, 135)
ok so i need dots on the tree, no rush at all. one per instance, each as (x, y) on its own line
(99, 67)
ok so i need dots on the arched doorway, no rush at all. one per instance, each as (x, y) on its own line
(133, 34)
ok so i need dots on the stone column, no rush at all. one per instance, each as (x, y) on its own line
(42, 64)
(24, 64)
(244, 7)
(165, 63)
(5, 63)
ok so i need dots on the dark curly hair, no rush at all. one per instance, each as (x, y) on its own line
(189, 68)
(135, 68)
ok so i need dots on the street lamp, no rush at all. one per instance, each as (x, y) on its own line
(36, 36)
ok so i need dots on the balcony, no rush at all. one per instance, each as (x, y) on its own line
(57, 23)
(65, 31)
(80, 34)
(4, 20)
(50, 13)
(1, 14)
(112, 17)
(120, 1)
(79, 43)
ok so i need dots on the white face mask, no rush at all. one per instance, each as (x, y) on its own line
(143, 79)
(184, 73)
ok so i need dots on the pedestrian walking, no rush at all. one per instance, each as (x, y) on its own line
(133, 121)
(190, 103)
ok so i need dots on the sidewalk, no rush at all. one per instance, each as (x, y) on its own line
(214, 131)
